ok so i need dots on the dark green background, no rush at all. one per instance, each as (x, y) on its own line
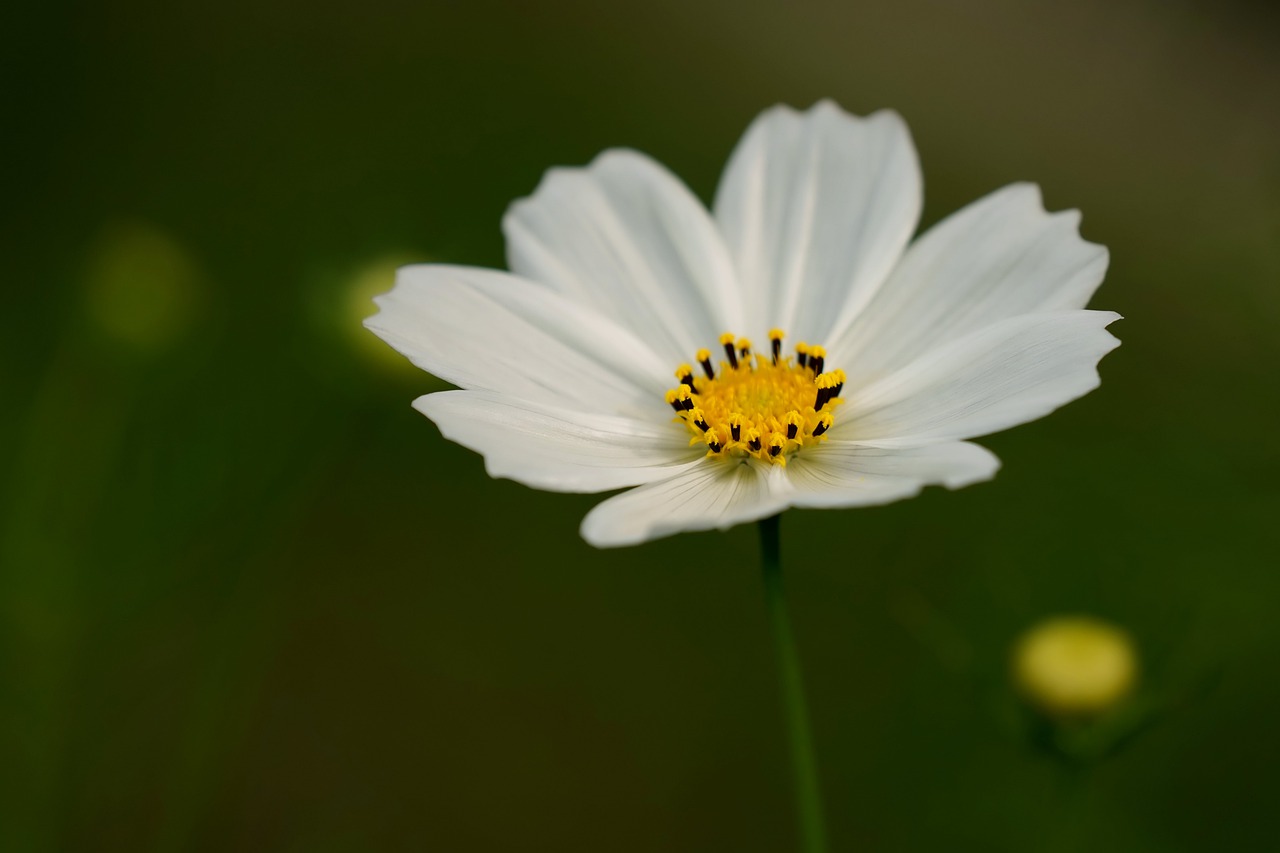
(251, 601)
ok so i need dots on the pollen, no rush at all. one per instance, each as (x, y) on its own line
(767, 405)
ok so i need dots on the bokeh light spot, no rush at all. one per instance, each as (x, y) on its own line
(142, 288)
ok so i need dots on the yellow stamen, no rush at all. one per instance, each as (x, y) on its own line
(754, 407)
(703, 357)
(726, 341)
(775, 344)
(684, 397)
(793, 422)
(776, 445)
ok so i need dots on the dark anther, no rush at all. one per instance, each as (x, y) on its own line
(735, 430)
(816, 364)
(701, 423)
(687, 379)
(716, 447)
(675, 404)
(824, 394)
(835, 392)
(754, 444)
(802, 358)
(707, 368)
(777, 349)
(686, 403)
(819, 429)
(775, 449)
(733, 356)
(791, 430)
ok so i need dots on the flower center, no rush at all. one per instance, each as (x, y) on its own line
(766, 406)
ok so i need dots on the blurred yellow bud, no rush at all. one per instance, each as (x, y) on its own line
(1075, 666)
(142, 288)
(373, 278)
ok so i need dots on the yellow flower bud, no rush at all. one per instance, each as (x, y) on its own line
(1074, 666)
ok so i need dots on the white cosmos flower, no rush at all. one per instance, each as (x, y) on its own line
(626, 296)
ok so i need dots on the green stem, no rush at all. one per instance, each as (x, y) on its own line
(803, 767)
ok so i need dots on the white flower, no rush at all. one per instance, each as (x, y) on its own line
(623, 287)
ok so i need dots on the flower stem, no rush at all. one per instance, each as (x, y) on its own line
(803, 767)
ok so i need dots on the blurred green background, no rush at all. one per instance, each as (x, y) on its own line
(250, 600)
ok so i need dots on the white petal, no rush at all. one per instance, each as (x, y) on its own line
(626, 238)
(708, 495)
(550, 448)
(816, 208)
(489, 330)
(1008, 373)
(999, 257)
(842, 474)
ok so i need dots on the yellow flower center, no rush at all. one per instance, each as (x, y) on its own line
(766, 406)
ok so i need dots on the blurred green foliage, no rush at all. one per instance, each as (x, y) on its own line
(249, 600)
